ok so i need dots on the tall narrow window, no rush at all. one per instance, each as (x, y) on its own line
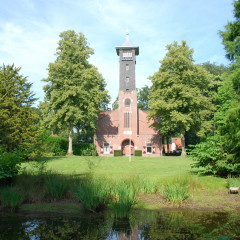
(127, 67)
(127, 120)
(149, 148)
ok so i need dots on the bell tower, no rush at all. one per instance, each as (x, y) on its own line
(127, 53)
(127, 98)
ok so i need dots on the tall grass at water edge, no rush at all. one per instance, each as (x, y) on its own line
(178, 189)
(11, 197)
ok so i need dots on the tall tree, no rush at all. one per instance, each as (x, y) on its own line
(231, 35)
(76, 90)
(143, 98)
(177, 100)
(17, 117)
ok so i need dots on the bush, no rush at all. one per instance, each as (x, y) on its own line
(138, 153)
(11, 197)
(55, 146)
(117, 153)
(84, 149)
(10, 164)
(210, 154)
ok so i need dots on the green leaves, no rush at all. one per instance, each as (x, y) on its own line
(76, 90)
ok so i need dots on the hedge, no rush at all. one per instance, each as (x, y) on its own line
(117, 153)
(138, 153)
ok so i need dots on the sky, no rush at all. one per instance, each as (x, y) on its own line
(29, 33)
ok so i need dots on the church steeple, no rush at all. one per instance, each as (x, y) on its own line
(127, 53)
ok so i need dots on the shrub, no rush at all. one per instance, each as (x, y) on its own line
(56, 185)
(117, 153)
(10, 164)
(55, 146)
(138, 153)
(84, 149)
(11, 197)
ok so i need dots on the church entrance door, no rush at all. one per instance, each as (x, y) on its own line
(127, 147)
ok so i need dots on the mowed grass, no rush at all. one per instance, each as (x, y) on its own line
(152, 168)
(155, 169)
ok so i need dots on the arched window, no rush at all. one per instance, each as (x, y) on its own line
(127, 102)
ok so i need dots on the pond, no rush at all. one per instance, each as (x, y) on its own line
(142, 225)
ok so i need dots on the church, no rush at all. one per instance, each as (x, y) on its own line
(126, 128)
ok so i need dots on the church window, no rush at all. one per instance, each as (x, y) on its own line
(106, 148)
(127, 102)
(149, 148)
(127, 67)
(127, 120)
(127, 79)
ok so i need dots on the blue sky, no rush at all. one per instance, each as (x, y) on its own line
(29, 33)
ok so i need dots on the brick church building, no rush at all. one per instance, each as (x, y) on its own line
(126, 128)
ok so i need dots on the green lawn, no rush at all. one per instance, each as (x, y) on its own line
(151, 168)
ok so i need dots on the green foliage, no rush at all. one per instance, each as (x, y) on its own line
(55, 146)
(123, 200)
(18, 121)
(177, 190)
(11, 197)
(75, 90)
(143, 98)
(178, 102)
(92, 193)
(10, 164)
(230, 37)
(117, 153)
(56, 185)
(233, 182)
(210, 154)
(115, 104)
(138, 153)
(84, 149)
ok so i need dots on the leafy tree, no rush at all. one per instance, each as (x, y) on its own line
(231, 35)
(18, 121)
(76, 90)
(177, 100)
(115, 104)
(143, 98)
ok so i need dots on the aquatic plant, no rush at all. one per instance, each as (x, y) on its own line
(56, 185)
(11, 197)
(92, 193)
(123, 200)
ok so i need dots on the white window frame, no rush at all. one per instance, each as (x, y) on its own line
(149, 145)
(106, 148)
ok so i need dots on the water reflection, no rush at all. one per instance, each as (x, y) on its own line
(141, 225)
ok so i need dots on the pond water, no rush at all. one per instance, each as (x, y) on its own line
(142, 225)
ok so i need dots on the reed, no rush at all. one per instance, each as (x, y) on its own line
(11, 197)
(56, 185)
(92, 193)
(123, 200)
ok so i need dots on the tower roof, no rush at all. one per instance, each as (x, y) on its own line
(127, 45)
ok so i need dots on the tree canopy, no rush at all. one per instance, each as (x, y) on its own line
(178, 102)
(17, 117)
(75, 90)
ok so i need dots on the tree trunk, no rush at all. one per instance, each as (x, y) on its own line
(70, 137)
(183, 144)
(167, 140)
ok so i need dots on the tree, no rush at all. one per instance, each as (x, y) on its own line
(18, 121)
(76, 90)
(177, 100)
(231, 35)
(143, 98)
